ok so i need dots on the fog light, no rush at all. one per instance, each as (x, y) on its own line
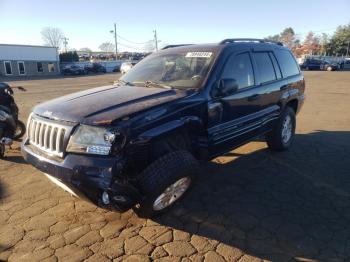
(105, 198)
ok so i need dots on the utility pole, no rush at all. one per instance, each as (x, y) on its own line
(155, 39)
(115, 41)
(65, 43)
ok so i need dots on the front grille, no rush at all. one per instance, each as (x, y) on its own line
(48, 136)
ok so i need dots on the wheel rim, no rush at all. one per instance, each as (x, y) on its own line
(287, 129)
(172, 193)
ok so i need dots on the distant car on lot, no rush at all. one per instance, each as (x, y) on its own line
(126, 66)
(318, 64)
(95, 68)
(311, 64)
(326, 65)
(73, 70)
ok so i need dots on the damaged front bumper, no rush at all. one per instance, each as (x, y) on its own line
(87, 176)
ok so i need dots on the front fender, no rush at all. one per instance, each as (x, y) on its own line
(189, 123)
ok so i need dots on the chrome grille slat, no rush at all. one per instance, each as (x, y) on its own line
(47, 136)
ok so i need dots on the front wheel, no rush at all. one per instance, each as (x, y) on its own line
(282, 135)
(329, 69)
(165, 181)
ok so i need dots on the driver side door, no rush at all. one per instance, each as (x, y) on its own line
(234, 119)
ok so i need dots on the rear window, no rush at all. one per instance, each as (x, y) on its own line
(287, 63)
(265, 67)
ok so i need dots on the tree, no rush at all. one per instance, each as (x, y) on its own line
(107, 47)
(69, 57)
(275, 38)
(311, 44)
(52, 36)
(340, 40)
(324, 44)
(287, 37)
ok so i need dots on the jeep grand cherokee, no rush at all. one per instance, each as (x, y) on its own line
(138, 144)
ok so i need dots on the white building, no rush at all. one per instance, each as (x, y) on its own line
(27, 60)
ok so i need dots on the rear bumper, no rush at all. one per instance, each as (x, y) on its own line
(87, 177)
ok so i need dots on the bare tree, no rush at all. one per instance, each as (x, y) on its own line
(107, 47)
(52, 36)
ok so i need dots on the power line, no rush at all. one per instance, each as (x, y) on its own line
(133, 47)
(132, 42)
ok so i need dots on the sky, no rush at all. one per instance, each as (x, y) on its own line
(88, 23)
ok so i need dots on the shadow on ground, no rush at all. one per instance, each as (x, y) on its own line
(276, 206)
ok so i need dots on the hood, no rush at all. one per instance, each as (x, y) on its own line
(104, 104)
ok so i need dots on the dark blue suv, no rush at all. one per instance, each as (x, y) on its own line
(138, 144)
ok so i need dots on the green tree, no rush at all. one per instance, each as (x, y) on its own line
(69, 57)
(324, 44)
(340, 40)
(287, 37)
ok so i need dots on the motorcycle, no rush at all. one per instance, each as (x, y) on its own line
(11, 128)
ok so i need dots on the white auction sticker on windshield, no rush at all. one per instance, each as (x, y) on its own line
(199, 54)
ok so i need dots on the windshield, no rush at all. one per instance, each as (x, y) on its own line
(177, 70)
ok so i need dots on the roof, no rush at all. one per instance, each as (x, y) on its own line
(41, 46)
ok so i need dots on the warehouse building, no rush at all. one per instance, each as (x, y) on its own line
(27, 60)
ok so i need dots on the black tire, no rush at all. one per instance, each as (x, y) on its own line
(2, 151)
(20, 130)
(274, 139)
(159, 175)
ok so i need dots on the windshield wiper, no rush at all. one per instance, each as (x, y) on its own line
(123, 82)
(154, 84)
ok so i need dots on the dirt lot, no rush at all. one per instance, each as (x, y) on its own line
(249, 205)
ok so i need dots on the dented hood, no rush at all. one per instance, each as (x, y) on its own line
(105, 104)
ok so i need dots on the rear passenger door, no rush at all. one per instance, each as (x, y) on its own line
(268, 79)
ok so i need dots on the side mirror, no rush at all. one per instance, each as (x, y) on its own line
(225, 87)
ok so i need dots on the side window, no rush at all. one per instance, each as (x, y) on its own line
(21, 68)
(287, 62)
(240, 67)
(51, 67)
(276, 66)
(39, 66)
(265, 67)
(8, 67)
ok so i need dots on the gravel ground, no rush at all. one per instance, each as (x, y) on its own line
(249, 205)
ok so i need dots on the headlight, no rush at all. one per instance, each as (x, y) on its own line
(91, 140)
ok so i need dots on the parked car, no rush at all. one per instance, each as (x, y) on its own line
(95, 68)
(126, 66)
(73, 70)
(139, 144)
(326, 65)
(311, 64)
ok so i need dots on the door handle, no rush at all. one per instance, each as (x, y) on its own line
(254, 97)
(283, 87)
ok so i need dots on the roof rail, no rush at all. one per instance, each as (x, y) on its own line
(237, 40)
(171, 46)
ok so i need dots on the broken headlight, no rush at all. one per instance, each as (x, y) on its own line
(91, 140)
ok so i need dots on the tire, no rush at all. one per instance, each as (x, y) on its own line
(168, 170)
(20, 130)
(307, 68)
(276, 139)
(2, 150)
(329, 69)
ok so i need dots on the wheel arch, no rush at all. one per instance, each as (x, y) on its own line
(293, 103)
